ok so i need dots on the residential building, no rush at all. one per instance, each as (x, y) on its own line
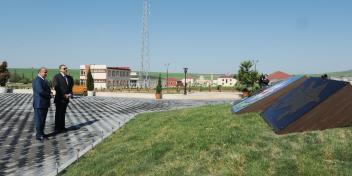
(134, 78)
(278, 76)
(343, 78)
(226, 81)
(171, 82)
(189, 81)
(106, 77)
(201, 81)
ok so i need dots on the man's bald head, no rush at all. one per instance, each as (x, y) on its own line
(43, 72)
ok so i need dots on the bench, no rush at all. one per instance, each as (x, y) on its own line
(79, 90)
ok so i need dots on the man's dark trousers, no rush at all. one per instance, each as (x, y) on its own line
(40, 117)
(60, 115)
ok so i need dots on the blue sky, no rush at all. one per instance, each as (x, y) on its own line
(208, 36)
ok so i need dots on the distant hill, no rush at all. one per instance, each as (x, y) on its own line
(28, 72)
(347, 73)
(341, 74)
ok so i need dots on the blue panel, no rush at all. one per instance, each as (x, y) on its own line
(299, 101)
(238, 106)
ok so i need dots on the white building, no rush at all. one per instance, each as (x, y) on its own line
(106, 77)
(189, 81)
(343, 78)
(226, 81)
(203, 82)
(134, 78)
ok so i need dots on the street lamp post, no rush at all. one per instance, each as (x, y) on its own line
(185, 90)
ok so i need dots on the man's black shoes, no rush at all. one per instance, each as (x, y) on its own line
(40, 138)
(61, 130)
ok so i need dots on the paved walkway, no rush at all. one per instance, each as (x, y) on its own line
(89, 119)
(190, 96)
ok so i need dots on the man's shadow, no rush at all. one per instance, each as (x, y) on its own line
(73, 128)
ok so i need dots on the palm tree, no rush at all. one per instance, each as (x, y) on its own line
(247, 78)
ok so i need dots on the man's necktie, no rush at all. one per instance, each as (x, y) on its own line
(66, 79)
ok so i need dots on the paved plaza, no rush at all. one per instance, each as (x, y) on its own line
(89, 120)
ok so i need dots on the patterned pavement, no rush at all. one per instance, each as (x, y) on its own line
(89, 120)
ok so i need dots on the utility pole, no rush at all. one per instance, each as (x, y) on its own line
(255, 64)
(144, 70)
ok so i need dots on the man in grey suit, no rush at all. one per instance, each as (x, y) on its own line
(41, 101)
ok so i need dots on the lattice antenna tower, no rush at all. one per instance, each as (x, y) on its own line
(145, 59)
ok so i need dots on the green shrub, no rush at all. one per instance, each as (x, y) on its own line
(159, 88)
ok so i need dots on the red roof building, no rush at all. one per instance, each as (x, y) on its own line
(278, 76)
(171, 82)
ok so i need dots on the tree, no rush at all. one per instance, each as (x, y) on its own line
(4, 74)
(247, 78)
(14, 78)
(159, 88)
(90, 81)
(235, 76)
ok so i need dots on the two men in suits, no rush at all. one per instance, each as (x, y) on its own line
(41, 101)
(63, 84)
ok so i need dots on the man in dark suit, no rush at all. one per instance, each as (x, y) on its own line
(63, 84)
(41, 101)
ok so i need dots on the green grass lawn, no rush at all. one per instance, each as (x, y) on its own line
(209, 140)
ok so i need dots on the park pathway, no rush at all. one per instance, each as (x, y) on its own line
(89, 120)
